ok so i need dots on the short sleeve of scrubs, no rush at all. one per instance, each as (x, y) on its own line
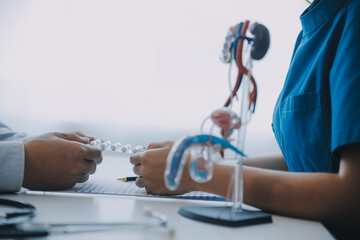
(345, 85)
(318, 110)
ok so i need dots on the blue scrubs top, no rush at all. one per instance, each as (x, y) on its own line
(318, 109)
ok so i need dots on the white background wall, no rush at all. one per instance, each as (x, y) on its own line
(134, 71)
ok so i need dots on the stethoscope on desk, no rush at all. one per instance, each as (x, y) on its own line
(17, 223)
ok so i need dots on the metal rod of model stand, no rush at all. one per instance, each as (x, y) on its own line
(237, 196)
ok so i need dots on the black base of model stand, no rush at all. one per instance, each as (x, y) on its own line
(224, 216)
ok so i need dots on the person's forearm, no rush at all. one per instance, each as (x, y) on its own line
(221, 177)
(219, 183)
(322, 197)
(317, 196)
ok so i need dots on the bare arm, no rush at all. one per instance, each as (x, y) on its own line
(330, 198)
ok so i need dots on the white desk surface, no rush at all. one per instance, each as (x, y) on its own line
(60, 208)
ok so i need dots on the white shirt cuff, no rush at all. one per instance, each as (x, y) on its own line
(12, 164)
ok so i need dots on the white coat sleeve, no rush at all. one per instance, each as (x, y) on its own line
(12, 159)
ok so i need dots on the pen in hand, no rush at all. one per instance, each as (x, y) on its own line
(127, 179)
